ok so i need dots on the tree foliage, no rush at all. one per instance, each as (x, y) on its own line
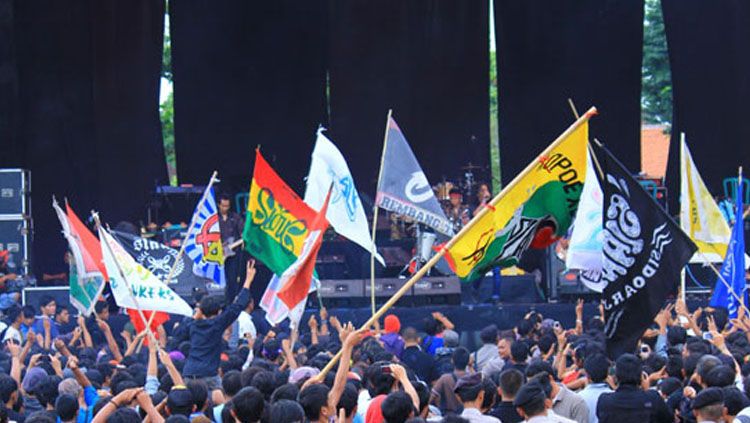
(656, 87)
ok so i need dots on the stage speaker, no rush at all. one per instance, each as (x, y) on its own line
(15, 187)
(340, 293)
(15, 240)
(32, 295)
(384, 290)
(434, 290)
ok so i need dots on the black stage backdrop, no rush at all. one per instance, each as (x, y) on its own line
(425, 59)
(709, 52)
(552, 50)
(87, 105)
(247, 73)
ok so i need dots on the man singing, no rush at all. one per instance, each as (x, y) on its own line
(230, 225)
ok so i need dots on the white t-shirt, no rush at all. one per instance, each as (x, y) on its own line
(246, 325)
(13, 333)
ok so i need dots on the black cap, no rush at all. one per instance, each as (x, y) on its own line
(530, 393)
(706, 397)
(468, 381)
(179, 397)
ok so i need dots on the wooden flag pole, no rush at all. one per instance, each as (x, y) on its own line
(182, 249)
(124, 279)
(682, 272)
(482, 212)
(375, 215)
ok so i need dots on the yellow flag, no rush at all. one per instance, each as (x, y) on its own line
(700, 216)
(534, 210)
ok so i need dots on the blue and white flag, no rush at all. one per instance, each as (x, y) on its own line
(733, 269)
(203, 245)
(403, 187)
(345, 212)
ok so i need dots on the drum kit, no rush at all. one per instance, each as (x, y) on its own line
(402, 226)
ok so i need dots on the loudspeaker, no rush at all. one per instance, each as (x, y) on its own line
(340, 293)
(15, 239)
(15, 187)
(437, 291)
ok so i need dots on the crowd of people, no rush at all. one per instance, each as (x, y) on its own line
(223, 365)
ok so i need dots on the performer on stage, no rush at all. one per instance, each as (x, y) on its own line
(483, 197)
(230, 225)
(458, 214)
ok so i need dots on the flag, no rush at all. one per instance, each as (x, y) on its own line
(295, 281)
(276, 310)
(586, 240)
(203, 244)
(146, 291)
(403, 187)
(700, 216)
(159, 259)
(286, 294)
(87, 274)
(644, 251)
(536, 210)
(346, 214)
(277, 220)
(733, 269)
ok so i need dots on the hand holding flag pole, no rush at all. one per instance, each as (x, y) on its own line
(482, 212)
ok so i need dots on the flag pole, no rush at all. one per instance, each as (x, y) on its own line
(482, 212)
(375, 215)
(182, 248)
(682, 272)
(124, 279)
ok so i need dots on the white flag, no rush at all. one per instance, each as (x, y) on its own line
(345, 212)
(146, 289)
(586, 241)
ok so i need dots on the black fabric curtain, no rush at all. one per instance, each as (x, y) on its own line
(86, 100)
(709, 53)
(425, 59)
(552, 50)
(247, 73)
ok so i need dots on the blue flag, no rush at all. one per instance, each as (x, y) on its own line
(203, 245)
(733, 269)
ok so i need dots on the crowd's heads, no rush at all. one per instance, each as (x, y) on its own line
(314, 400)
(450, 338)
(410, 335)
(708, 405)
(391, 324)
(286, 411)
(469, 388)
(460, 358)
(180, 401)
(211, 305)
(509, 381)
(397, 407)
(47, 305)
(66, 407)
(519, 352)
(247, 405)
(628, 370)
(488, 335)
(530, 400)
(597, 368)
(377, 381)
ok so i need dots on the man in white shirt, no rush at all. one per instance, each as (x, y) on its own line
(15, 317)
(245, 321)
(597, 370)
(532, 404)
(470, 391)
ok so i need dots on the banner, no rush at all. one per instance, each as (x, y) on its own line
(346, 214)
(277, 219)
(644, 252)
(87, 273)
(700, 216)
(403, 187)
(159, 259)
(534, 212)
(133, 286)
(585, 247)
(733, 269)
(203, 244)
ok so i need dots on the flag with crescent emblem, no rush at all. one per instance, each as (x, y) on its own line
(403, 187)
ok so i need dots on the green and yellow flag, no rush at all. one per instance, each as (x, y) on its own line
(277, 220)
(534, 210)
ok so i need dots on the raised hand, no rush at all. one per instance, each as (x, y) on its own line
(250, 273)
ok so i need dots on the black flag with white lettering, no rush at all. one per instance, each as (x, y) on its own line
(644, 251)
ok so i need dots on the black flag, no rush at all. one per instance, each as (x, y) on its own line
(159, 259)
(644, 251)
